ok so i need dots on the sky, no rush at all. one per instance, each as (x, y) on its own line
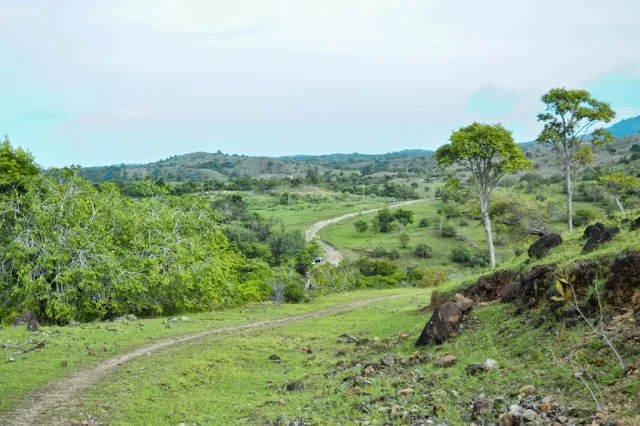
(131, 81)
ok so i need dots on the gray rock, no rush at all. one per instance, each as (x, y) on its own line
(183, 318)
(131, 317)
(529, 415)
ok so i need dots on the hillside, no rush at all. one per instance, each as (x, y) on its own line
(626, 127)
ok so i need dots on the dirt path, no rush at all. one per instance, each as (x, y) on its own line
(49, 405)
(332, 254)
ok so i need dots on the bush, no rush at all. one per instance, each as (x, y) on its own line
(369, 267)
(448, 230)
(464, 222)
(433, 277)
(293, 293)
(423, 251)
(379, 251)
(582, 217)
(424, 223)
(393, 254)
(414, 272)
(461, 254)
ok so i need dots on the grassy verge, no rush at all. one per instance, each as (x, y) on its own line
(231, 380)
(70, 349)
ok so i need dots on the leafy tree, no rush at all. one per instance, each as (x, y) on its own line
(404, 216)
(617, 184)
(568, 119)
(448, 230)
(488, 152)
(361, 226)
(424, 223)
(16, 167)
(384, 220)
(404, 240)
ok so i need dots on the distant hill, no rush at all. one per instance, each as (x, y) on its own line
(356, 156)
(626, 127)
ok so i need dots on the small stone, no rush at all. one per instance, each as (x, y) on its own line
(406, 391)
(545, 407)
(404, 336)
(64, 364)
(396, 411)
(73, 323)
(446, 361)
(184, 319)
(11, 360)
(368, 370)
(490, 363)
(515, 409)
(340, 352)
(474, 369)
(167, 326)
(507, 420)
(562, 419)
(384, 409)
(275, 358)
(388, 360)
(354, 391)
(345, 338)
(529, 415)
(295, 386)
(481, 406)
(526, 390)
(131, 317)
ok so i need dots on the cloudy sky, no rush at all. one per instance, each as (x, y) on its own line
(97, 82)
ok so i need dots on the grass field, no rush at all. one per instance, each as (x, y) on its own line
(80, 347)
(231, 380)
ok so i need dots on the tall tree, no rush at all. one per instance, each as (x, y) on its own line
(568, 120)
(617, 184)
(16, 167)
(488, 152)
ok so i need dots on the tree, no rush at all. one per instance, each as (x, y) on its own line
(423, 250)
(361, 226)
(16, 167)
(488, 152)
(568, 119)
(404, 240)
(617, 184)
(384, 220)
(404, 216)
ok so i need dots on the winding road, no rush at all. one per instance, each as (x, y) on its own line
(332, 254)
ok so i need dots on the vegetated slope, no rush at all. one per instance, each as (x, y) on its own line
(626, 127)
(202, 166)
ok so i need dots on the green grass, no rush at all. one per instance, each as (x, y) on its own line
(73, 344)
(231, 381)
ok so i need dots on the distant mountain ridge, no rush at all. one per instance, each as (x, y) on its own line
(340, 157)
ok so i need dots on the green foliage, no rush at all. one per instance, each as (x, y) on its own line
(448, 230)
(424, 223)
(293, 293)
(404, 240)
(370, 268)
(584, 216)
(16, 168)
(403, 216)
(379, 251)
(465, 254)
(361, 226)
(618, 183)
(384, 220)
(393, 254)
(423, 251)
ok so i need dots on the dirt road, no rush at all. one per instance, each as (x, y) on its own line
(49, 406)
(332, 254)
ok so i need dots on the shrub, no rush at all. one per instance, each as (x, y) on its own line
(414, 272)
(424, 223)
(293, 293)
(361, 226)
(461, 254)
(379, 251)
(370, 267)
(464, 222)
(404, 240)
(448, 230)
(393, 254)
(584, 216)
(433, 277)
(423, 251)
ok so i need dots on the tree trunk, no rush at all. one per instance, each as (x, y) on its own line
(569, 198)
(617, 198)
(484, 207)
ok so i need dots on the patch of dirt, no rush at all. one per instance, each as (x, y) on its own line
(59, 398)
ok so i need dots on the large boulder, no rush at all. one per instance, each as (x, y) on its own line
(536, 281)
(594, 229)
(624, 280)
(492, 287)
(25, 318)
(544, 244)
(597, 240)
(445, 321)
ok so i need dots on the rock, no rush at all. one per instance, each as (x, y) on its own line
(275, 358)
(345, 338)
(73, 323)
(446, 361)
(515, 410)
(119, 319)
(404, 336)
(11, 359)
(491, 287)
(474, 369)
(635, 224)
(368, 370)
(388, 360)
(445, 321)
(184, 319)
(295, 386)
(535, 282)
(64, 364)
(529, 415)
(543, 245)
(562, 419)
(491, 363)
(406, 391)
(527, 390)
(481, 406)
(464, 303)
(340, 352)
(25, 318)
(506, 420)
(353, 391)
(131, 317)
(33, 325)
(598, 239)
(623, 281)
(594, 229)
